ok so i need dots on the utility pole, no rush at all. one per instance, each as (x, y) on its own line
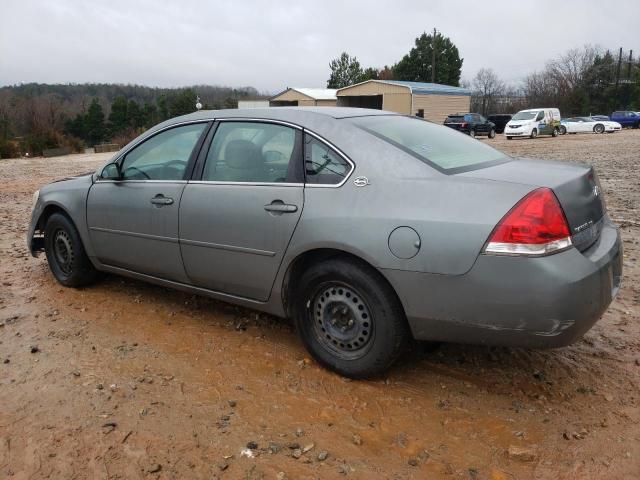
(433, 56)
(615, 97)
(629, 64)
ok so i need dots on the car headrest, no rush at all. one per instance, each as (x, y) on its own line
(242, 154)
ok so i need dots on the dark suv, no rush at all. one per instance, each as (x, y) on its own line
(471, 123)
(500, 121)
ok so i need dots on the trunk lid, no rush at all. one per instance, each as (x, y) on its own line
(575, 185)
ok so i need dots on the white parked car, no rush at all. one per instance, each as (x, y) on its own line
(588, 125)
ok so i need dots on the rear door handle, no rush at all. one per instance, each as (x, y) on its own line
(161, 200)
(279, 207)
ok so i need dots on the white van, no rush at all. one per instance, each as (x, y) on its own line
(533, 122)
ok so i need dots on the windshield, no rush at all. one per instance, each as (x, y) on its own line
(524, 116)
(443, 148)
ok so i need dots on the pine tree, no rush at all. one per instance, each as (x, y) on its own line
(417, 64)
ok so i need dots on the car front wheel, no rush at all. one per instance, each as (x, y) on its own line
(349, 318)
(534, 133)
(66, 256)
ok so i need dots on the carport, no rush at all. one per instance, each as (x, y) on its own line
(304, 97)
(432, 101)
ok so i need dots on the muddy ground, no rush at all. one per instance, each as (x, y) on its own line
(128, 380)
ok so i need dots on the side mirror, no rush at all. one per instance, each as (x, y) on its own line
(111, 172)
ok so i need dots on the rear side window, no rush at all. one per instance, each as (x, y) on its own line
(443, 148)
(323, 166)
(253, 152)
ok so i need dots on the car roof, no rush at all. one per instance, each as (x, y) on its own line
(286, 114)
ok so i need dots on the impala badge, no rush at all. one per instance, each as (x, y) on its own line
(361, 182)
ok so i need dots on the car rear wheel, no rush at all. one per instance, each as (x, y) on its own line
(349, 318)
(534, 133)
(472, 133)
(492, 133)
(66, 256)
(555, 132)
(562, 130)
(599, 128)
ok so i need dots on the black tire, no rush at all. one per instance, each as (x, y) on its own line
(492, 133)
(349, 319)
(534, 133)
(509, 138)
(636, 125)
(598, 128)
(67, 258)
(562, 130)
(555, 132)
(472, 133)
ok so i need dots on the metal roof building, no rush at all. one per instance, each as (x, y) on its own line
(428, 100)
(304, 97)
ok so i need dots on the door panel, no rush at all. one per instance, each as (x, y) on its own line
(230, 242)
(129, 231)
(133, 221)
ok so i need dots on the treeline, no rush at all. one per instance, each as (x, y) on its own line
(582, 81)
(35, 117)
(433, 58)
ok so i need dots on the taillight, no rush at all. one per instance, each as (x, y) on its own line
(535, 226)
(463, 125)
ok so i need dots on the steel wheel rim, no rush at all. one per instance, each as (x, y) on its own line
(63, 251)
(342, 320)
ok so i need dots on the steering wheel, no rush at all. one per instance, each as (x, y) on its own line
(137, 170)
(182, 165)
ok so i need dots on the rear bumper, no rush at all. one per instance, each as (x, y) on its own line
(515, 301)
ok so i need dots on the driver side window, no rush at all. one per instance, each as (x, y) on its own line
(164, 156)
(540, 116)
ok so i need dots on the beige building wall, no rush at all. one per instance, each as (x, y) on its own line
(326, 103)
(437, 107)
(397, 102)
(303, 100)
(291, 95)
(372, 88)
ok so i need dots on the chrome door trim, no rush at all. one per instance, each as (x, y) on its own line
(253, 184)
(259, 120)
(231, 248)
(177, 182)
(135, 234)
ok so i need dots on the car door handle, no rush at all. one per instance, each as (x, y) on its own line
(279, 207)
(161, 200)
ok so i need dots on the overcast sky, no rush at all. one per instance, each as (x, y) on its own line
(274, 44)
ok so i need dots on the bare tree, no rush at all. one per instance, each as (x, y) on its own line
(486, 87)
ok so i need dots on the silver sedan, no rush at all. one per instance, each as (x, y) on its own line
(369, 229)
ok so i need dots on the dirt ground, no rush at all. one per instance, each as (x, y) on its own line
(126, 380)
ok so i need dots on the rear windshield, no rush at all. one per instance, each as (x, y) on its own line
(443, 148)
(455, 118)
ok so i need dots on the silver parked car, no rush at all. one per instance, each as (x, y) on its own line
(367, 228)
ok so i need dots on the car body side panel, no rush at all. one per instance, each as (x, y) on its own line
(70, 195)
(453, 218)
(531, 302)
